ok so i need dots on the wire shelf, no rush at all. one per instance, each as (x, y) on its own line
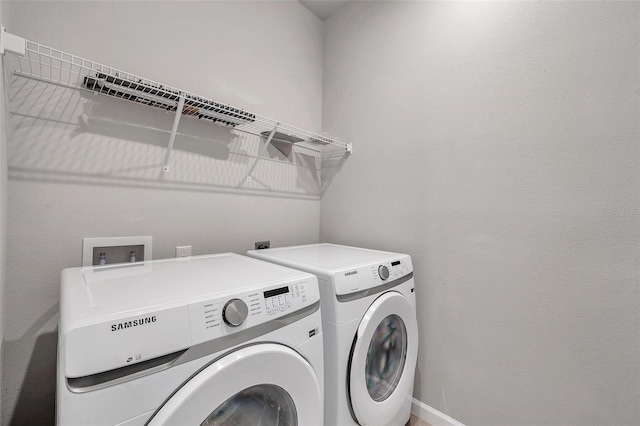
(54, 66)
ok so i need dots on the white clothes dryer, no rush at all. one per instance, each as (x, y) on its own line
(370, 329)
(206, 340)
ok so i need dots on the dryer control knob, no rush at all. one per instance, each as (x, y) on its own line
(383, 271)
(234, 313)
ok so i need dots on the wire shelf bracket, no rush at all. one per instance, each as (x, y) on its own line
(263, 149)
(49, 65)
(174, 130)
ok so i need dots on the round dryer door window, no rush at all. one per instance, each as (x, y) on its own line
(258, 405)
(262, 384)
(383, 361)
(386, 357)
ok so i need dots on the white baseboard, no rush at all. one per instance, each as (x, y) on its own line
(431, 415)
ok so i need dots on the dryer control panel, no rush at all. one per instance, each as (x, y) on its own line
(372, 275)
(222, 316)
(389, 271)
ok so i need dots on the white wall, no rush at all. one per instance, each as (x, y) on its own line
(497, 143)
(73, 176)
(3, 208)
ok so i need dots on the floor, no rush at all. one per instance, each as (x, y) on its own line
(417, 421)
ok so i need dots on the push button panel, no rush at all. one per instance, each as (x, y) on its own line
(294, 297)
(399, 269)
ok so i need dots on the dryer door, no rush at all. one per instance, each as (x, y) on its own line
(264, 384)
(383, 360)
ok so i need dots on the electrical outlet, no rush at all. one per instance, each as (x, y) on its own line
(263, 245)
(183, 251)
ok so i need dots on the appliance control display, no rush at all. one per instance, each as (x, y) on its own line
(390, 271)
(276, 292)
(225, 315)
(398, 269)
(281, 299)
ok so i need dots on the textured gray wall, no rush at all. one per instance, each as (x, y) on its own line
(79, 168)
(3, 203)
(497, 143)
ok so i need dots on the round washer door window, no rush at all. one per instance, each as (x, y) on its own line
(383, 360)
(260, 384)
(258, 405)
(386, 357)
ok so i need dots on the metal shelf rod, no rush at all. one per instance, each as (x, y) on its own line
(325, 186)
(262, 151)
(174, 129)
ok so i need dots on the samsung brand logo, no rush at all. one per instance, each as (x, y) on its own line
(346, 274)
(133, 323)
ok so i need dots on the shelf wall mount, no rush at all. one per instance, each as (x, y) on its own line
(11, 43)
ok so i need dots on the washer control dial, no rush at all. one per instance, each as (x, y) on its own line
(234, 313)
(383, 271)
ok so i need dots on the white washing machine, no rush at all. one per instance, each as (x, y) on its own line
(370, 329)
(206, 340)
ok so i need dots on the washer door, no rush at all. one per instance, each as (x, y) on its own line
(265, 384)
(383, 360)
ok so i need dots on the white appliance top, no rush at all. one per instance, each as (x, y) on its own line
(126, 286)
(349, 269)
(119, 315)
(328, 257)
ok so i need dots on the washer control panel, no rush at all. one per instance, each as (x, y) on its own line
(392, 270)
(226, 315)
